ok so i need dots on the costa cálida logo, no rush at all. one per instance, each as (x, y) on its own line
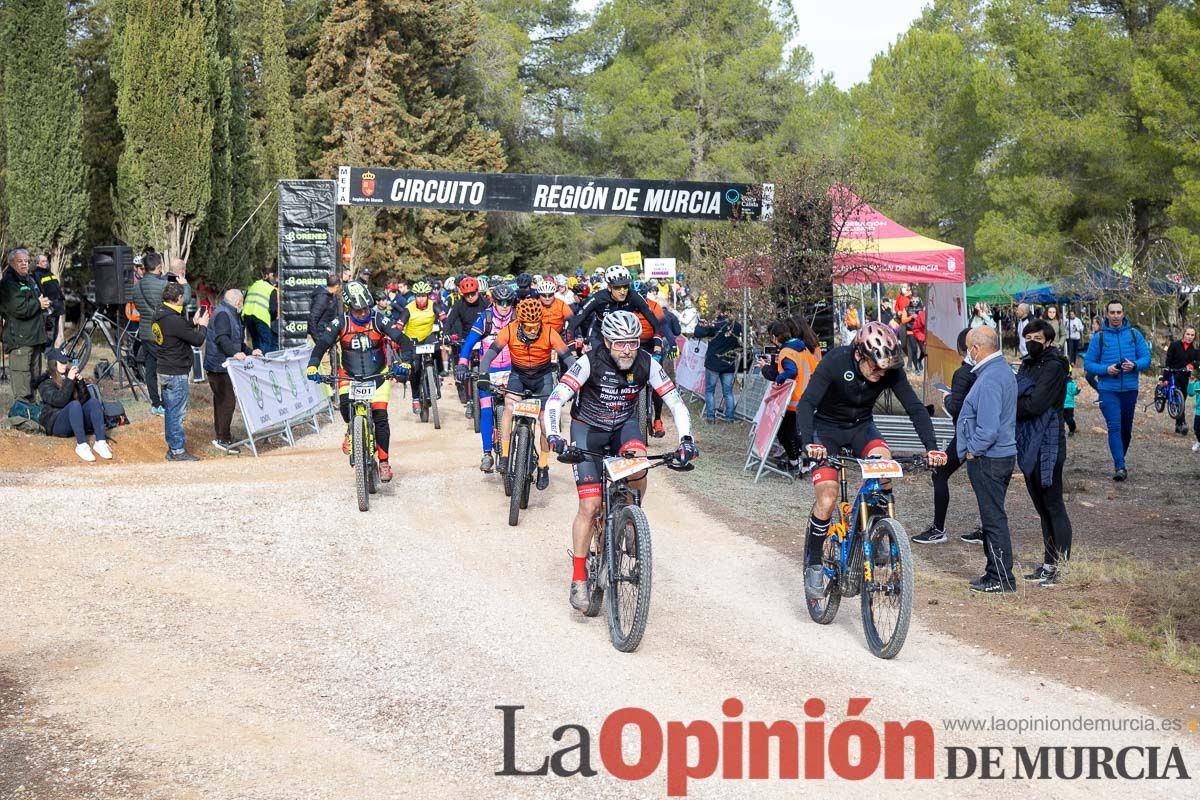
(368, 184)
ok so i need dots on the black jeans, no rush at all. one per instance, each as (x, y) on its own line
(789, 437)
(1048, 500)
(941, 484)
(990, 478)
(150, 365)
(1073, 350)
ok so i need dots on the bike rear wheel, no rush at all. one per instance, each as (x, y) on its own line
(358, 451)
(824, 610)
(888, 596)
(630, 554)
(645, 413)
(519, 466)
(1175, 403)
(473, 403)
(596, 595)
(80, 347)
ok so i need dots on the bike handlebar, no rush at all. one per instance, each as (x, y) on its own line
(577, 455)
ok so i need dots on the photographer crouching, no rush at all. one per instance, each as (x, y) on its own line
(68, 408)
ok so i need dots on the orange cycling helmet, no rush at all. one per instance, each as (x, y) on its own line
(879, 343)
(529, 310)
(468, 286)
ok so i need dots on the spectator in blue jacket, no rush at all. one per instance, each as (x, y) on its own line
(1115, 356)
(986, 433)
(225, 339)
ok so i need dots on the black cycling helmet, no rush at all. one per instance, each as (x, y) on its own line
(524, 280)
(503, 293)
(356, 296)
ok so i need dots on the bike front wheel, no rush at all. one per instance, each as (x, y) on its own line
(519, 466)
(630, 554)
(887, 597)
(80, 347)
(431, 390)
(1175, 403)
(362, 471)
(1160, 400)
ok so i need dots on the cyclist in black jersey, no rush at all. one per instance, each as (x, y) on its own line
(617, 297)
(837, 410)
(606, 383)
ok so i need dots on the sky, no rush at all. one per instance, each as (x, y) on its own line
(843, 36)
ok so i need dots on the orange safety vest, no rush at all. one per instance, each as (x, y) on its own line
(806, 362)
(851, 318)
(131, 312)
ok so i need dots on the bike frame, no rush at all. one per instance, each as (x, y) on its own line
(871, 492)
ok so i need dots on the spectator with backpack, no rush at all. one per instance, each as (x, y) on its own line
(68, 409)
(148, 297)
(1115, 356)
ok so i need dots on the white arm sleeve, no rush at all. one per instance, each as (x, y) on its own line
(662, 383)
(566, 388)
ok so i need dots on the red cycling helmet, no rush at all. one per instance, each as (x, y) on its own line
(468, 285)
(879, 343)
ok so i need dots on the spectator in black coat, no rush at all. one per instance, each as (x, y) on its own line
(324, 305)
(1182, 357)
(68, 409)
(720, 361)
(1042, 442)
(225, 339)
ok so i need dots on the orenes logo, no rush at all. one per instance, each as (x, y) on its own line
(848, 376)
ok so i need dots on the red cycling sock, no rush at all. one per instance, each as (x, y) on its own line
(579, 571)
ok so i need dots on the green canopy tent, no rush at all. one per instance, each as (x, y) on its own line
(1002, 289)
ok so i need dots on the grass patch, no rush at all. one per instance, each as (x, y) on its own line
(1039, 617)
(1110, 567)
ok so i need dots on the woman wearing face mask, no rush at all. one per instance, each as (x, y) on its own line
(960, 384)
(1042, 443)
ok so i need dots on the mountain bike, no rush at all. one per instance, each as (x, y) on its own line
(472, 391)
(430, 388)
(1167, 395)
(362, 438)
(619, 557)
(867, 552)
(523, 451)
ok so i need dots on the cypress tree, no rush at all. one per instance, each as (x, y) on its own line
(44, 187)
(278, 156)
(92, 32)
(385, 83)
(165, 108)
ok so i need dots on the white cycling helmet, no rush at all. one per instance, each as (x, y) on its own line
(621, 326)
(561, 281)
(617, 275)
(546, 287)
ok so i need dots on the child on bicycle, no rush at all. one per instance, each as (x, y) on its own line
(1069, 402)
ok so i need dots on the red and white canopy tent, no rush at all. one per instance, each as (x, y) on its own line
(871, 248)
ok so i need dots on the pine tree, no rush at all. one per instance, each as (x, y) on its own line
(165, 107)
(45, 172)
(385, 85)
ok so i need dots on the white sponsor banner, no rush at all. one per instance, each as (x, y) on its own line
(689, 368)
(270, 391)
(659, 267)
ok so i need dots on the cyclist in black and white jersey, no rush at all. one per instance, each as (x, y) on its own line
(605, 384)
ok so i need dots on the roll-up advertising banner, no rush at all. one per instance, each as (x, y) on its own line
(308, 251)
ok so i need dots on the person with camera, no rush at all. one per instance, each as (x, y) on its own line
(148, 299)
(720, 361)
(176, 335)
(68, 409)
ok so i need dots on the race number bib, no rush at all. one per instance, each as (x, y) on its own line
(880, 468)
(619, 467)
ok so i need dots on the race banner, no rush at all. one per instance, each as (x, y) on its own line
(689, 367)
(308, 251)
(272, 391)
(560, 194)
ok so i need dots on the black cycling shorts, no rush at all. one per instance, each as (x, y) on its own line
(587, 474)
(859, 439)
(541, 384)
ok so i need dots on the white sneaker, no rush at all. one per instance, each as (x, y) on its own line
(1196, 447)
(84, 452)
(101, 449)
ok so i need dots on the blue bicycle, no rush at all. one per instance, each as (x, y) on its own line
(867, 553)
(1167, 395)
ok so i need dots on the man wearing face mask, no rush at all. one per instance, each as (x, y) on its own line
(1042, 442)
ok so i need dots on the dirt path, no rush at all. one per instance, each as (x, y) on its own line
(234, 629)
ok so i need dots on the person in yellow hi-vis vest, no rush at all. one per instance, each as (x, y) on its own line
(260, 311)
(798, 356)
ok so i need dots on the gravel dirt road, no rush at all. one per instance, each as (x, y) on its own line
(236, 629)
